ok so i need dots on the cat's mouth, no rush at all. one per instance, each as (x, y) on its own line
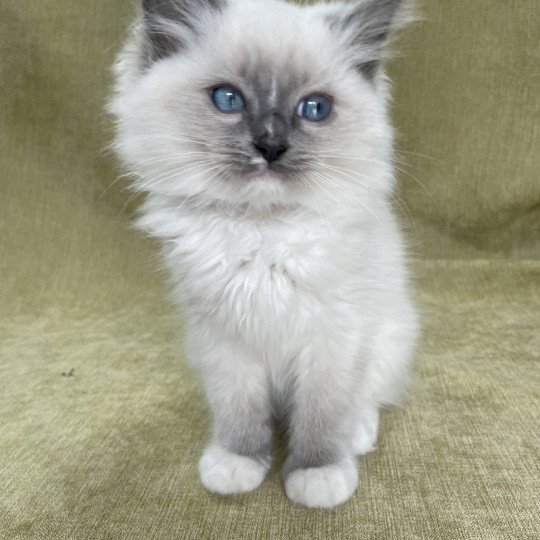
(275, 171)
(263, 173)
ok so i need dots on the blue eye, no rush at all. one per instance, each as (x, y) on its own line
(228, 99)
(314, 108)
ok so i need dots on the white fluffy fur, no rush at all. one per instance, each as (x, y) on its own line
(279, 281)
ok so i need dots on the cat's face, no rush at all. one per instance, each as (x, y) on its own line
(257, 102)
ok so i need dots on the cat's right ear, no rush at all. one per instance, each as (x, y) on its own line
(365, 27)
(171, 25)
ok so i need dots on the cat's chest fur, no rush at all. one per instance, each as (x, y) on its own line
(260, 276)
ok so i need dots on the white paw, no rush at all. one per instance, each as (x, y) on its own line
(322, 487)
(226, 473)
(365, 436)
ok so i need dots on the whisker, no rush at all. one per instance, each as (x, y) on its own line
(407, 173)
(131, 174)
(350, 196)
(323, 188)
(152, 182)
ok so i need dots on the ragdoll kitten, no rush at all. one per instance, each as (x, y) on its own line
(259, 130)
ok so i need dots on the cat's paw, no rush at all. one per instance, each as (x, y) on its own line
(226, 473)
(322, 487)
(365, 436)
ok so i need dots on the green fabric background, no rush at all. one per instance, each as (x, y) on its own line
(112, 451)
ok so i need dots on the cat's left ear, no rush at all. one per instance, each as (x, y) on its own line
(365, 27)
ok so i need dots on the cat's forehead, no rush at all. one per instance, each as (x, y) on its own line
(276, 71)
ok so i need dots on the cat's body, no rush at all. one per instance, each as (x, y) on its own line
(289, 269)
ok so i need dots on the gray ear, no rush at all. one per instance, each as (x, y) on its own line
(366, 25)
(164, 18)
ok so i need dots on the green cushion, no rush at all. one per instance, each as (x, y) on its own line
(467, 99)
(111, 451)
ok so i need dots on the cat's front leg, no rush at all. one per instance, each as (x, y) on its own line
(320, 471)
(238, 457)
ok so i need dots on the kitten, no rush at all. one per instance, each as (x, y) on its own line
(259, 131)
